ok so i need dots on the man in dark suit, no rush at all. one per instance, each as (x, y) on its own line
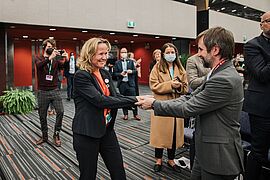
(257, 97)
(69, 72)
(216, 104)
(125, 72)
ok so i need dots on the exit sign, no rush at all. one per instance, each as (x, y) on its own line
(131, 24)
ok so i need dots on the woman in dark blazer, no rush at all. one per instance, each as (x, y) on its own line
(96, 102)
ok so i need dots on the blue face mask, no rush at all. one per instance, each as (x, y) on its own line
(170, 57)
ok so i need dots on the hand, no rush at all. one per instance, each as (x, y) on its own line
(139, 98)
(139, 61)
(65, 54)
(176, 84)
(145, 103)
(124, 73)
(129, 71)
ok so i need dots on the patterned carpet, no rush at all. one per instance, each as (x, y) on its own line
(21, 158)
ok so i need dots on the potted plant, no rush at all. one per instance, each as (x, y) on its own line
(18, 101)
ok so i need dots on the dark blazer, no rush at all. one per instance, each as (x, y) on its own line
(118, 69)
(257, 61)
(216, 104)
(90, 103)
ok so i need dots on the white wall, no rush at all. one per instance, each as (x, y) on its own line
(241, 28)
(160, 17)
(263, 5)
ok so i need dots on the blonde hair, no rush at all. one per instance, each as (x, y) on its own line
(154, 53)
(88, 51)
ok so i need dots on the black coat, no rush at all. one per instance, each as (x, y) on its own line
(257, 60)
(90, 103)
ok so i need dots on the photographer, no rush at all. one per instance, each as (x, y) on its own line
(48, 66)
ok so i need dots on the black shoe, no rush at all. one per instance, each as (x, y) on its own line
(175, 168)
(157, 167)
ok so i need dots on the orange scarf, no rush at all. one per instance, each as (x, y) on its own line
(104, 89)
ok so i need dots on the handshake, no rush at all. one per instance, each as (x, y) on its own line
(145, 102)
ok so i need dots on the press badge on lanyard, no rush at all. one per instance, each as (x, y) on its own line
(49, 77)
(108, 118)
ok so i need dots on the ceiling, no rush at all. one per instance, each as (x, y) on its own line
(39, 33)
(232, 8)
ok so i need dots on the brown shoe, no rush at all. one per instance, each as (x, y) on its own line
(56, 139)
(43, 139)
(125, 117)
(137, 118)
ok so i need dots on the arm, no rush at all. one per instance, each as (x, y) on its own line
(192, 75)
(86, 87)
(257, 64)
(40, 63)
(116, 70)
(215, 95)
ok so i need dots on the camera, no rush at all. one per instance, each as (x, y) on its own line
(61, 51)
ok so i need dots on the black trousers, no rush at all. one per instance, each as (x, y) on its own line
(127, 90)
(170, 152)
(70, 86)
(45, 98)
(87, 150)
(260, 144)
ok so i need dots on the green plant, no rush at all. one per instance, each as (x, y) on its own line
(184, 58)
(18, 101)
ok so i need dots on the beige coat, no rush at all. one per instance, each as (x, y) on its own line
(161, 130)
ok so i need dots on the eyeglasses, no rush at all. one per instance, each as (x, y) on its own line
(266, 21)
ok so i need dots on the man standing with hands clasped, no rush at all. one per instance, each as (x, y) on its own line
(216, 104)
(47, 73)
(257, 98)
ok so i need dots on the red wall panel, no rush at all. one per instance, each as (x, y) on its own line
(22, 63)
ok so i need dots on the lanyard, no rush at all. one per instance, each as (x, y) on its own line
(218, 65)
(50, 67)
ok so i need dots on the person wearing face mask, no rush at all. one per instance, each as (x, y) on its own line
(69, 71)
(167, 81)
(126, 72)
(48, 66)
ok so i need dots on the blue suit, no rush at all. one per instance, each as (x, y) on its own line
(127, 88)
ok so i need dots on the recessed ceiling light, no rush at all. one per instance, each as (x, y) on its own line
(234, 10)
(186, 0)
(157, 37)
(52, 29)
(51, 37)
(25, 37)
(12, 27)
(131, 41)
(135, 35)
(112, 33)
(74, 38)
(40, 39)
(84, 31)
(174, 38)
(245, 7)
(32, 40)
(218, 10)
(223, 8)
(116, 41)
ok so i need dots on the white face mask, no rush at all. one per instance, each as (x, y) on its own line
(169, 57)
(124, 55)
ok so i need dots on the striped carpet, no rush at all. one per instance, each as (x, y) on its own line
(21, 158)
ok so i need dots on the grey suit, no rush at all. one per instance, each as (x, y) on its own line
(216, 104)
